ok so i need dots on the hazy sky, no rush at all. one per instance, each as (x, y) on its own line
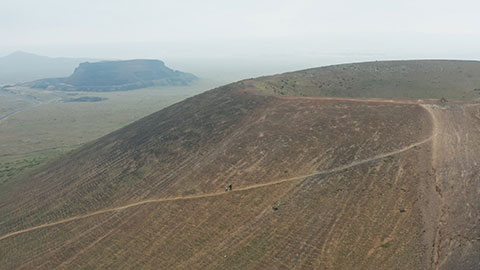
(271, 29)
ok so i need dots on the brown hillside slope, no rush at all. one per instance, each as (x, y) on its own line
(456, 163)
(387, 79)
(195, 148)
(357, 184)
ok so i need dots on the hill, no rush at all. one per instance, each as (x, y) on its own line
(21, 67)
(117, 75)
(389, 79)
(318, 183)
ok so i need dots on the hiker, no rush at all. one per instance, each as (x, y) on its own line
(230, 187)
(226, 188)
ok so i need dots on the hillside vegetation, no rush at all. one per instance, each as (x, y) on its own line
(318, 183)
(390, 79)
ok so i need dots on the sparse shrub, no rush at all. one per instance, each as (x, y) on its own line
(386, 245)
(276, 205)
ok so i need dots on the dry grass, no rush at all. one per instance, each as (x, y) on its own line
(390, 79)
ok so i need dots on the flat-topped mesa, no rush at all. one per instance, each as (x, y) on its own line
(117, 75)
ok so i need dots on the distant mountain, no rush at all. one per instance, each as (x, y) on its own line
(116, 76)
(21, 67)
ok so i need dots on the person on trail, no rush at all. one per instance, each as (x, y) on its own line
(226, 188)
(230, 187)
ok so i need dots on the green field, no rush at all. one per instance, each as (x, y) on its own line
(48, 126)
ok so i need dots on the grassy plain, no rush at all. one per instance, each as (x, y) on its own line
(48, 126)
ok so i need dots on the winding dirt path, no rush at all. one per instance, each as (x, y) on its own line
(34, 102)
(190, 197)
(28, 107)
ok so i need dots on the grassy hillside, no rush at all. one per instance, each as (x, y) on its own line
(390, 79)
(317, 184)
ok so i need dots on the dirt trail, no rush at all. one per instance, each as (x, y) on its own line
(368, 100)
(338, 169)
(28, 107)
(432, 214)
(455, 155)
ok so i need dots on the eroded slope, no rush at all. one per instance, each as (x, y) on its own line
(321, 221)
(345, 174)
(195, 147)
